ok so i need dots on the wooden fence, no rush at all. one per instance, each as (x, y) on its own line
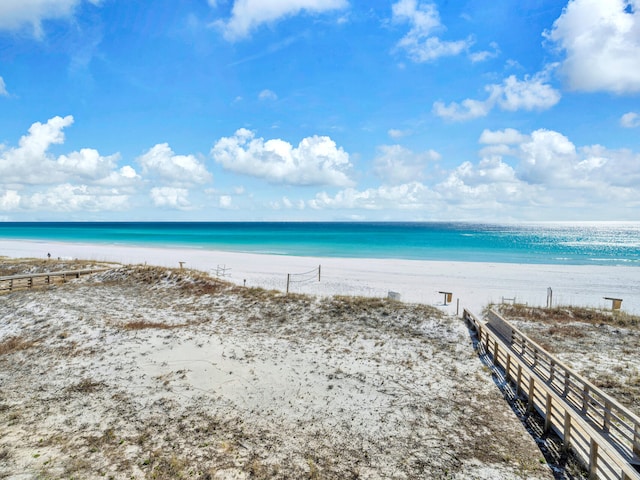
(603, 434)
(32, 280)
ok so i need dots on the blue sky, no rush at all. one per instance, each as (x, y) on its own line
(320, 110)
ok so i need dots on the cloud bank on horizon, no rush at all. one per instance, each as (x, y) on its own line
(320, 110)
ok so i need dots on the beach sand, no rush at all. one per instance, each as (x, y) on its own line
(144, 372)
(474, 284)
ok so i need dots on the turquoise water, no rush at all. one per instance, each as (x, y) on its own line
(571, 244)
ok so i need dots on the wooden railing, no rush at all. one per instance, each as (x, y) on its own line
(603, 434)
(32, 280)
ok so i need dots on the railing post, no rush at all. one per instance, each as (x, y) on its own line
(530, 402)
(519, 380)
(507, 368)
(593, 459)
(606, 424)
(547, 418)
(636, 439)
(495, 352)
(567, 430)
(585, 398)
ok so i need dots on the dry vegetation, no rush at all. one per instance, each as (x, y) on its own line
(27, 265)
(156, 373)
(600, 345)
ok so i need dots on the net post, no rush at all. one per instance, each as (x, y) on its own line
(319, 270)
(288, 281)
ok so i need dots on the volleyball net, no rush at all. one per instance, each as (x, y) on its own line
(304, 278)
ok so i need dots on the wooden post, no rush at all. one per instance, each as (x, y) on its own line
(593, 459)
(507, 368)
(531, 394)
(548, 415)
(606, 424)
(288, 281)
(496, 352)
(567, 430)
(519, 380)
(319, 270)
(457, 306)
(585, 398)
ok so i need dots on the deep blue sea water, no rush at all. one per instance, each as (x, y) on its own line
(571, 244)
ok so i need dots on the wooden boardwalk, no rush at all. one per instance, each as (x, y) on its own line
(35, 280)
(603, 434)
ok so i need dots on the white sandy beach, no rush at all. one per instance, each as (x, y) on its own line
(475, 284)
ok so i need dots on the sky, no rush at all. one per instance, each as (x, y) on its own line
(320, 110)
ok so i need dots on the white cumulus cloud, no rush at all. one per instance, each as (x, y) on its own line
(87, 164)
(484, 55)
(601, 40)
(531, 93)
(409, 196)
(421, 43)
(247, 15)
(70, 198)
(9, 200)
(267, 95)
(170, 197)
(630, 120)
(17, 14)
(508, 136)
(395, 164)
(468, 109)
(315, 161)
(177, 170)
(225, 201)
(397, 133)
(31, 163)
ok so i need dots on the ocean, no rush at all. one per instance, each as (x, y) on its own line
(544, 243)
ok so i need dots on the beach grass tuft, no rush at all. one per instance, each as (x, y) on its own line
(564, 314)
(15, 344)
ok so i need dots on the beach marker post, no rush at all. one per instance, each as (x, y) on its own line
(447, 297)
(616, 303)
(549, 297)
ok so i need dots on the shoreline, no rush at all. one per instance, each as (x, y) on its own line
(474, 284)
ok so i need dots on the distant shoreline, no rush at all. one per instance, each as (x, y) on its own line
(475, 284)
